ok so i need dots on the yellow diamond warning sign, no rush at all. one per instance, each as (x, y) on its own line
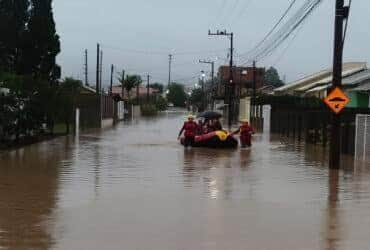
(337, 100)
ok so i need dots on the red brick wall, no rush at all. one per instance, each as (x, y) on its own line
(245, 80)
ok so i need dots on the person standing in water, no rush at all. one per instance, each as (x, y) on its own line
(190, 127)
(245, 134)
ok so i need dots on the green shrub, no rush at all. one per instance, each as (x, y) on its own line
(161, 103)
(149, 110)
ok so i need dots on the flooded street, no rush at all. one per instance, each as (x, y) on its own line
(135, 187)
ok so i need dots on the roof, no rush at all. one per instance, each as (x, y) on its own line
(322, 77)
(142, 91)
(354, 79)
(362, 88)
(357, 78)
(88, 89)
(288, 86)
(348, 74)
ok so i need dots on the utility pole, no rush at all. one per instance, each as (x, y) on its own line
(111, 79)
(147, 88)
(97, 68)
(253, 113)
(138, 93)
(341, 13)
(230, 85)
(122, 86)
(212, 63)
(101, 70)
(170, 57)
(86, 69)
(203, 92)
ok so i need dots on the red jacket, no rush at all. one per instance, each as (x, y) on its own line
(190, 129)
(245, 131)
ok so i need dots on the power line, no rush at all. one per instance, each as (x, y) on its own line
(280, 36)
(146, 52)
(242, 10)
(277, 24)
(287, 47)
(233, 8)
(221, 10)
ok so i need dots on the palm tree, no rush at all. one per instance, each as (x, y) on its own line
(129, 83)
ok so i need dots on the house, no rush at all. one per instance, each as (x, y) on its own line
(360, 96)
(143, 91)
(243, 79)
(317, 84)
(348, 84)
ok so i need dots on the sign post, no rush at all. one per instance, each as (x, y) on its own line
(337, 100)
(341, 13)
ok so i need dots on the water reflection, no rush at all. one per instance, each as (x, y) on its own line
(112, 189)
(28, 191)
(332, 231)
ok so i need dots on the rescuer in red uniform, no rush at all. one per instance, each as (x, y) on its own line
(190, 127)
(245, 134)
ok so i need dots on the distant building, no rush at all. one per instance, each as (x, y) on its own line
(117, 90)
(243, 79)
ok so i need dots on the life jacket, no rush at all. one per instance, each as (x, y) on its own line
(190, 129)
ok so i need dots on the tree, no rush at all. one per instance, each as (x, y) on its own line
(42, 43)
(176, 95)
(157, 86)
(272, 78)
(196, 98)
(14, 16)
(130, 82)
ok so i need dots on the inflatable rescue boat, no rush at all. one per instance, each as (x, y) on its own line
(216, 139)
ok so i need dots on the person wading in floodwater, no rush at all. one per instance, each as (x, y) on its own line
(245, 134)
(190, 127)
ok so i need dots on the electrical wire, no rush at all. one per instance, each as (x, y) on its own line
(287, 47)
(228, 12)
(242, 11)
(233, 8)
(221, 9)
(269, 45)
(285, 28)
(277, 24)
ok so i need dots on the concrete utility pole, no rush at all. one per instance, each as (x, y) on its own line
(97, 67)
(203, 91)
(122, 86)
(212, 63)
(147, 88)
(231, 85)
(101, 70)
(253, 113)
(341, 13)
(111, 79)
(170, 57)
(86, 69)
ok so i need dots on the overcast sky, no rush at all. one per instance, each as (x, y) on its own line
(138, 35)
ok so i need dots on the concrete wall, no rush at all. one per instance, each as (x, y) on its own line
(245, 108)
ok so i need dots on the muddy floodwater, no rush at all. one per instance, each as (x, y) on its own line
(134, 187)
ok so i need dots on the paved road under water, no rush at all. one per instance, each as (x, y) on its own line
(135, 187)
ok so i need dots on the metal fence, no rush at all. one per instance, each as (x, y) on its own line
(362, 141)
